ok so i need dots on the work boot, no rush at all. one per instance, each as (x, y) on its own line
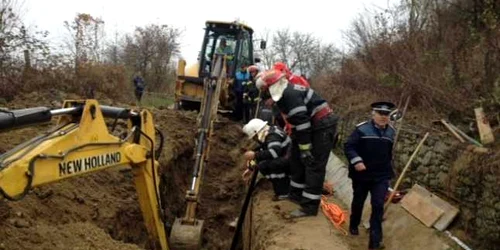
(294, 199)
(298, 213)
(380, 246)
(280, 197)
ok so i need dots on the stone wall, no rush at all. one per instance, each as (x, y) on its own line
(468, 180)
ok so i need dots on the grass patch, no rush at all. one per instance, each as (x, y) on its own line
(156, 100)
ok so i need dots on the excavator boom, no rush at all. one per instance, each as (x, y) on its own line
(81, 144)
(187, 231)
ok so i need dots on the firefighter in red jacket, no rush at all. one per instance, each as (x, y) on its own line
(313, 134)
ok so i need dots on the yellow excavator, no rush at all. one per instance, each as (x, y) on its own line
(80, 144)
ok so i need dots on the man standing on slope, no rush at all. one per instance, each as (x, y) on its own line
(313, 130)
(369, 151)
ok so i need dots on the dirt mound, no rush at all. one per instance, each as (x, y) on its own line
(101, 211)
(76, 236)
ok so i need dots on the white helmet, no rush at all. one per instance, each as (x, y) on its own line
(253, 127)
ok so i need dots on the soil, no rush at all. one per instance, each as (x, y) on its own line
(272, 230)
(101, 211)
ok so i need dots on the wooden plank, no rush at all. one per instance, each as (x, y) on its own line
(484, 127)
(421, 207)
(462, 133)
(450, 212)
(452, 131)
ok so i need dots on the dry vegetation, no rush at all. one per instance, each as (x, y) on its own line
(445, 54)
(87, 63)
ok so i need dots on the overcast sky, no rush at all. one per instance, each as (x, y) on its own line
(326, 23)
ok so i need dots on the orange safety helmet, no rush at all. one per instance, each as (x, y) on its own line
(253, 68)
(282, 67)
(269, 78)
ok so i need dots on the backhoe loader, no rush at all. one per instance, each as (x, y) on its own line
(80, 144)
(189, 89)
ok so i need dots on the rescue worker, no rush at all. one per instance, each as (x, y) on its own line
(250, 94)
(241, 77)
(314, 126)
(272, 160)
(293, 79)
(226, 50)
(139, 86)
(369, 151)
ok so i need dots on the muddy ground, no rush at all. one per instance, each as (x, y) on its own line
(101, 211)
(272, 230)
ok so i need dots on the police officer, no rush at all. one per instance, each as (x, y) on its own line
(271, 157)
(313, 130)
(369, 151)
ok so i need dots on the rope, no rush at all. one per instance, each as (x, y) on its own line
(334, 213)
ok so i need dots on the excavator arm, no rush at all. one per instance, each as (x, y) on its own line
(81, 144)
(187, 231)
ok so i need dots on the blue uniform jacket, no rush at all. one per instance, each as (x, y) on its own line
(240, 78)
(372, 146)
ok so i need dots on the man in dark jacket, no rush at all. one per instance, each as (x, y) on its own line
(250, 94)
(241, 76)
(313, 130)
(272, 160)
(369, 151)
(139, 86)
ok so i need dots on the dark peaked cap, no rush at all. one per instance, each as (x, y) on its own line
(383, 106)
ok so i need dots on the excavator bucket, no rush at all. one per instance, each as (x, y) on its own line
(186, 236)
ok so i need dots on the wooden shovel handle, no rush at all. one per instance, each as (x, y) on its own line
(404, 171)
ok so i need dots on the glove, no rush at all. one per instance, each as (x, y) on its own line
(306, 158)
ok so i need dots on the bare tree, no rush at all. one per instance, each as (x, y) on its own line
(303, 47)
(297, 50)
(326, 59)
(114, 49)
(86, 35)
(16, 41)
(149, 52)
(282, 41)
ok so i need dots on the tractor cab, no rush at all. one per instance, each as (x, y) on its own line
(234, 41)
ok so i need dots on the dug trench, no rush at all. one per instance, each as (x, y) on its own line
(101, 210)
